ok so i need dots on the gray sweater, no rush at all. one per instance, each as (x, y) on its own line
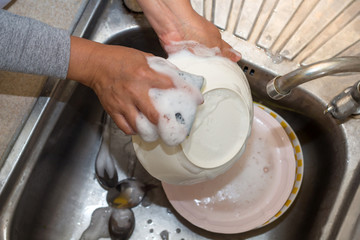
(30, 46)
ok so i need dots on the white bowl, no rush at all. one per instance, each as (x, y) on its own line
(220, 130)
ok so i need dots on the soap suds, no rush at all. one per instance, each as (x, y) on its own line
(195, 47)
(176, 106)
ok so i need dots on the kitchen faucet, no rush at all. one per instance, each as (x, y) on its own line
(343, 105)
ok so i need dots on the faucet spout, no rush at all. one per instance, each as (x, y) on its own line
(281, 86)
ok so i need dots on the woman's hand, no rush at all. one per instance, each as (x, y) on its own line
(175, 21)
(121, 78)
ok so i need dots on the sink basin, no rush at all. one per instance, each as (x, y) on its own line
(49, 191)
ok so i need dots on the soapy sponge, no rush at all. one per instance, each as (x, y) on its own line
(176, 106)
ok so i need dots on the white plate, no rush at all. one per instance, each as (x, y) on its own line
(252, 192)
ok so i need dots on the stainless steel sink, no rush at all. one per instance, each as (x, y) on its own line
(48, 188)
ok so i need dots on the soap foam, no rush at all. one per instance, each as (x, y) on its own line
(176, 106)
(195, 47)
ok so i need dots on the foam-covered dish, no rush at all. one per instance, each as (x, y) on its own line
(219, 132)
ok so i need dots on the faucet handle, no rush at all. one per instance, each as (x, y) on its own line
(346, 103)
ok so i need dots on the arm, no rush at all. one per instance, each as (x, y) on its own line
(120, 76)
(30, 46)
(175, 21)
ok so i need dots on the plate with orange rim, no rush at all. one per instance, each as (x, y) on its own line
(258, 188)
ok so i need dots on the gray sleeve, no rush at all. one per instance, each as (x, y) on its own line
(30, 46)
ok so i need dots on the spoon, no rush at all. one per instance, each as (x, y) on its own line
(127, 194)
(105, 168)
(121, 224)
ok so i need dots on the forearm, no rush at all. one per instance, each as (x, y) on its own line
(168, 16)
(83, 62)
(30, 46)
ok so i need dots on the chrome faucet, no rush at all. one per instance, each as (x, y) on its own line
(341, 106)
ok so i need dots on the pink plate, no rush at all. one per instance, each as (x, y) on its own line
(251, 192)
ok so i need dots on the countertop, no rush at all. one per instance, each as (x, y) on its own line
(18, 92)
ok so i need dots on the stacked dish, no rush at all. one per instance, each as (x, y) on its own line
(258, 188)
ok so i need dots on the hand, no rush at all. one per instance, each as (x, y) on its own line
(121, 78)
(178, 22)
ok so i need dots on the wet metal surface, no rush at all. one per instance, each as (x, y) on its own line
(51, 191)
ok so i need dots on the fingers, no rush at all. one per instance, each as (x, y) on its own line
(232, 54)
(121, 110)
(123, 124)
(201, 50)
(140, 101)
(160, 81)
(127, 121)
(229, 52)
(143, 101)
(124, 108)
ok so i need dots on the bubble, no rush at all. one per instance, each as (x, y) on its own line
(164, 235)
